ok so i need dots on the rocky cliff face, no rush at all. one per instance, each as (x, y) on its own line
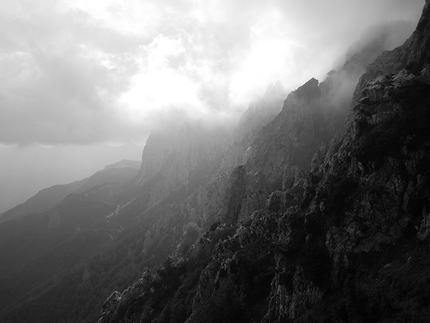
(175, 157)
(372, 189)
(320, 223)
(261, 111)
(365, 197)
(274, 137)
(213, 202)
(295, 140)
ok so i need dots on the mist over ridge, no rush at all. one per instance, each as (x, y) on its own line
(387, 35)
(280, 173)
(77, 87)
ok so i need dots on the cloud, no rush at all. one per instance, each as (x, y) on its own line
(388, 35)
(86, 72)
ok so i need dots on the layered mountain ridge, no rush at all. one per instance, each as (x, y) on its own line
(110, 178)
(323, 240)
(312, 210)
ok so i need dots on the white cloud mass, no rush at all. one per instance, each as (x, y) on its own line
(94, 71)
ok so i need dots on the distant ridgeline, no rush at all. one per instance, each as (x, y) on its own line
(315, 208)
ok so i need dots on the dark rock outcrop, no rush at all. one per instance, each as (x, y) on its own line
(319, 217)
(371, 188)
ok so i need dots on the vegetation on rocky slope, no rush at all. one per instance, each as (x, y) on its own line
(345, 243)
(300, 219)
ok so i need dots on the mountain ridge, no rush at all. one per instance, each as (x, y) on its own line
(321, 226)
(282, 223)
(50, 196)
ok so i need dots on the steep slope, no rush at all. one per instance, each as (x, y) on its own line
(261, 111)
(155, 211)
(369, 196)
(41, 246)
(340, 243)
(57, 229)
(370, 193)
(311, 117)
(244, 223)
(209, 203)
(180, 157)
(143, 224)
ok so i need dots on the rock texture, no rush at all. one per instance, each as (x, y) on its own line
(370, 190)
(183, 156)
(311, 118)
(316, 209)
(209, 205)
(319, 222)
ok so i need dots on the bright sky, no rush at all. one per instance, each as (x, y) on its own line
(94, 71)
(80, 76)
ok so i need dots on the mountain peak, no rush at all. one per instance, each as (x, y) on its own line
(125, 163)
(308, 91)
(419, 57)
(273, 91)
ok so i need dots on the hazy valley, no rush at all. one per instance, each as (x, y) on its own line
(313, 207)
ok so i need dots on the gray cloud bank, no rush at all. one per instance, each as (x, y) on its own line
(86, 72)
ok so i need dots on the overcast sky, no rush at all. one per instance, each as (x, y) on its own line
(76, 74)
(91, 71)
